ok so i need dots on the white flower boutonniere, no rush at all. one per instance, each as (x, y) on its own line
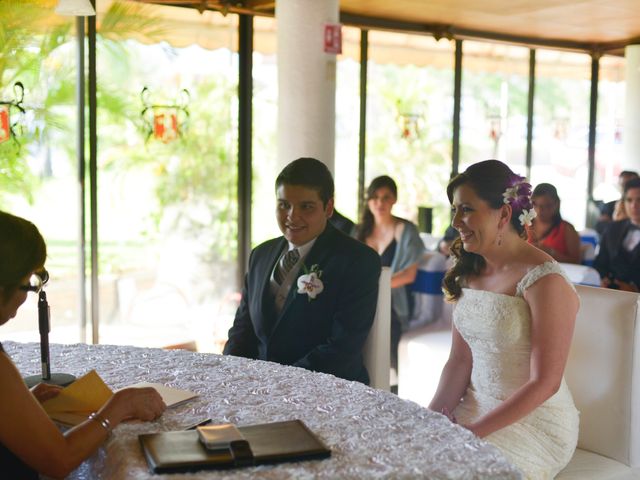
(310, 282)
(526, 217)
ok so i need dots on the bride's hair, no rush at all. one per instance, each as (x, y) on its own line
(489, 180)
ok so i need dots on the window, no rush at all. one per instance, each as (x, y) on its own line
(409, 112)
(495, 86)
(561, 129)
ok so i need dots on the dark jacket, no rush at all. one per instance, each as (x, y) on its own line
(612, 258)
(325, 334)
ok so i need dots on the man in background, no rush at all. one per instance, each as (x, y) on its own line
(614, 210)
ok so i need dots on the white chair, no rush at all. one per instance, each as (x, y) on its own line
(377, 349)
(603, 374)
(588, 245)
(427, 289)
(581, 274)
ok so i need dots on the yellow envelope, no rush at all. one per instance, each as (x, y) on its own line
(74, 403)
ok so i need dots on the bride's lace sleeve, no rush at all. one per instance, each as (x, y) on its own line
(539, 271)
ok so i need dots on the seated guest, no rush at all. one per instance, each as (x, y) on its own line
(550, 232)
(444, 245)
(399, 245)
(310, 296)
(614, 210)
(618, 260)
(30, 443)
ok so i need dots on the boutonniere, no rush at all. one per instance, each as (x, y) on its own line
(310, 282)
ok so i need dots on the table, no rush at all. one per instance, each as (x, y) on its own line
(372, 433)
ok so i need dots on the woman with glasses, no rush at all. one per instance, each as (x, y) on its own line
(30, 443)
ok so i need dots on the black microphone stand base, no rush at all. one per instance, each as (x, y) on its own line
(60, 379)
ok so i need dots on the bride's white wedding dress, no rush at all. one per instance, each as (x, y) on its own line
(497, 329)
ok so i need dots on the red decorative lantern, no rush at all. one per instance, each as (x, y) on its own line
(165, 122)
(5, 125)
(165, 126)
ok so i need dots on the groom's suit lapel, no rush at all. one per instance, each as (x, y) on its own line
(318, 254)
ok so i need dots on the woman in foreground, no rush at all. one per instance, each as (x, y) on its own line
(513, 324)
(30, 443)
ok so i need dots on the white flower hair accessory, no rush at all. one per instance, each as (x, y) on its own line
(527, 216)
(310, 282)
(510, 194)
(518, 195)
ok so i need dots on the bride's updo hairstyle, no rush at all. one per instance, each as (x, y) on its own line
(497, 185)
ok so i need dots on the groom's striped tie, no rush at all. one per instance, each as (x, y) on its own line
(288, 261)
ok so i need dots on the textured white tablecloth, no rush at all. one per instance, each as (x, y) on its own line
(372, 434)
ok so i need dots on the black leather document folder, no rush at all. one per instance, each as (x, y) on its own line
(168, 452)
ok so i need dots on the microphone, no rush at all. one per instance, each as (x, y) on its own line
(44, 325)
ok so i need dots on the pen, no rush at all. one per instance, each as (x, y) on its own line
(199, 424)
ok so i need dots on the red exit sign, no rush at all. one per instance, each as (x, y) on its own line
(333, 38)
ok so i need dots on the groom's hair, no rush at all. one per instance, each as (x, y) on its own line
(311, 173)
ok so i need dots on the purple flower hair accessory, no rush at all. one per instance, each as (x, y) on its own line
(518, 195)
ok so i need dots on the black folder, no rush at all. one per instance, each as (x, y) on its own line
(182, 451)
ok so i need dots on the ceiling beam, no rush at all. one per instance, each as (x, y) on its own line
(452, 32)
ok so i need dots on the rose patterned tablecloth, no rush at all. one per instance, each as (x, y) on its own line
(372, 434)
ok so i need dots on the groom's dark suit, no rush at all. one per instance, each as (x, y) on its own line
(325, 334)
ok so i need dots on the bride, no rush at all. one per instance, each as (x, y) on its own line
(513, 324)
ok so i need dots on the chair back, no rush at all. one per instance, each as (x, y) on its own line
(589, 235)
(377, 349)
(588, 253)
(428, 298)
(588, 246)
(603, 373)
(581, 274)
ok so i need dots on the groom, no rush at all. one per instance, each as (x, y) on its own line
(309, 297)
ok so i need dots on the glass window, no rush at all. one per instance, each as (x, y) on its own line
(409, 120)
(265, 124)
(38, 179)
(561, 129)
(348, 124)
(493, 119)
(167, 175)
(609, 148)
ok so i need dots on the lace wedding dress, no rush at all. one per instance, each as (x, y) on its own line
(497, 329)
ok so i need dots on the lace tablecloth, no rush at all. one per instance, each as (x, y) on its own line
(372, 434)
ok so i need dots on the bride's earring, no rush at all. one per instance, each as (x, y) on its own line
(499, 242)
